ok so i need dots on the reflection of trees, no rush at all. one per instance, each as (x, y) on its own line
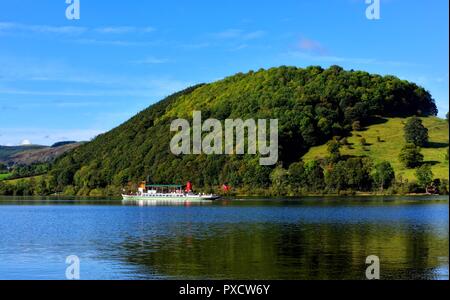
(289, 251)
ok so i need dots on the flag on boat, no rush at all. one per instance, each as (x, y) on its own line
(188, 187)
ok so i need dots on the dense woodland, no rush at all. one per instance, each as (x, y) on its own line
(313, 106)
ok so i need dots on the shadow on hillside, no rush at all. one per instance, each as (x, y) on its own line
(348, 156)
(431, 162)
(436, 145)
(370, 121)
(376, 120)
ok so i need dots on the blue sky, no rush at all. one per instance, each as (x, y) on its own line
(73, 79)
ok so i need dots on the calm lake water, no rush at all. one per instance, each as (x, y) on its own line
(241, 239)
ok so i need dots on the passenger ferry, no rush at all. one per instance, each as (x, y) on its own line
(167, 193)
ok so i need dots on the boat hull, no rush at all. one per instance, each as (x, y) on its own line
(168, 199)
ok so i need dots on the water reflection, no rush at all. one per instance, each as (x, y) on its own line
(290, 251)
(249, 239)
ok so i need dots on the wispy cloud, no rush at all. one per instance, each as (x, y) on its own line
(45, 136)
(194, 46)
(23, 28)
(228, 40)
(12, 27)
(239, 34)
(341, 59)
(19, 70)
(153, 88)
(313, 46)
(150, 61)
(122, 43)
(124, 29)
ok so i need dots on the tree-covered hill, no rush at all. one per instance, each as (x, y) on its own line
(312, 106)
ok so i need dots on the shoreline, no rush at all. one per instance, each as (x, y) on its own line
(238, 197)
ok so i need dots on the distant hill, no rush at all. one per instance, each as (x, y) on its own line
(386, 139)
(59, 144)
(26, 155)
(311, 104)
(6, 151)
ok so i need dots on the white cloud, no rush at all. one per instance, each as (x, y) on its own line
(341, 59)
(239, 34)
(150, 61)
(124, 29)
(84, 82)
(12, 27)
(45, 136)
(123, 43)
(311, 46)
(19, 27)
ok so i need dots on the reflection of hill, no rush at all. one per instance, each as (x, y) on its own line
(290, 251)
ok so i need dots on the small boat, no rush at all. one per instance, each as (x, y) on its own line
(168, 193)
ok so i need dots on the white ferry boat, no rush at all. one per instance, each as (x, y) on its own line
(167, 194)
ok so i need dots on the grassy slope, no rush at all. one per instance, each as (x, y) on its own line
(391, 134)
(26, 179)
(4, 176)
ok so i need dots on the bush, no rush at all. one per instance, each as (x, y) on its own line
(96, 193)
(344, 141)
(356, 126)
(69, 191)
(413, 187)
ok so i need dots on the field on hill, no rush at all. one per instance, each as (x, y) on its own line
(391, 140)
(4, 176)
(26, 179)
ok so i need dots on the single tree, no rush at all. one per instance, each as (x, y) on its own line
(410, 156)
(424, 176)
(334, 153)
(384, 175)
(415, 132)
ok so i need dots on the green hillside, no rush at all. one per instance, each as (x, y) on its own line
(312, 105)
(4, 176)
(385, 140)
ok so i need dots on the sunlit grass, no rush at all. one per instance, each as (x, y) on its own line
(390, 142)
(4, 176)
(14, 181)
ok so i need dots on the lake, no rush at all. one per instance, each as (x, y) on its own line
(309, 238)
